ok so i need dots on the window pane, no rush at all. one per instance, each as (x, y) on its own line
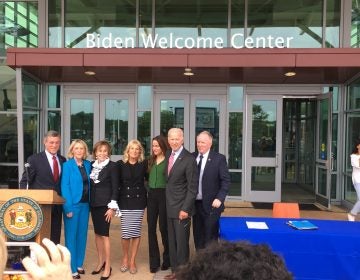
(82, 120)
(235, 140)
(31, 96)
(8, 139)
(18, 25)
(207, 118)
(54, 95)
(333, 186)
(332, 23)
(355, 24)
(54, 121)
(9, 177)
(350, 193)
(235, 185)
(189, 19)
(322, 181)
(102, 19)
(236, 96)
(263, 128)
(334, 141)
(323, 130)
(171, 115)
(294, 19)
(353, 96)
(144, 127)
(335, 98)
(238, 20)
(31, 128)
(7, 89)
(30, 93)
(145, 98)
(145, 20)
(117, 124)
(54, 17)
(353, 133)
(262, 178)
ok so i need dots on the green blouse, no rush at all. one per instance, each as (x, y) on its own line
(157, 177)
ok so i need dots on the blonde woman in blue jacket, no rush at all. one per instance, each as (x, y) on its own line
(75, 188)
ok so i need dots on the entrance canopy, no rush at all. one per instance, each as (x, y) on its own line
(142, 65)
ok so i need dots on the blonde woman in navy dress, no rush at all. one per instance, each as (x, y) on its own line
(132, 202)
(75, 189)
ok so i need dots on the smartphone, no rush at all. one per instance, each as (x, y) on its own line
(17, 251)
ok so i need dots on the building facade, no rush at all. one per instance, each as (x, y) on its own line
(276, 82)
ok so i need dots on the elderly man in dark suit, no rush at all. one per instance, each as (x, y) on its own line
(214, 181)
(43, 172)
(181, 188)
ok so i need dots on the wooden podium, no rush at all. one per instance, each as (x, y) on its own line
(45, 198)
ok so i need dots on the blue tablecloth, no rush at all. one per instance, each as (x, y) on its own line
(330, 252)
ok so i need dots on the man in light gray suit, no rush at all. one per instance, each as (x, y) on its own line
(181, 189)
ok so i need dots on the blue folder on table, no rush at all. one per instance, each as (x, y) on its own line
(302, 224)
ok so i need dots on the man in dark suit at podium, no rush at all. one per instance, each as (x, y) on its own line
(42, 171)
(214, 181)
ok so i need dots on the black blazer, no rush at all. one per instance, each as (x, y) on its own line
(107, 189)
(40, 173)
(133, 194)
(215, 181)
(182, 184)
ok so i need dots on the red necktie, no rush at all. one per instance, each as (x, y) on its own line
(171, 162)
(55, 169)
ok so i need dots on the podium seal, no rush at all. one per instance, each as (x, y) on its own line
(21, 218)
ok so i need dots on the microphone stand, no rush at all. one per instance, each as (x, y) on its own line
(27, 165)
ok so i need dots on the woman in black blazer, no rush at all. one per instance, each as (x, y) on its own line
(103, 202)
(132, 202)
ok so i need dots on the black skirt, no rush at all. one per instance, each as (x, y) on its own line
(101, 226)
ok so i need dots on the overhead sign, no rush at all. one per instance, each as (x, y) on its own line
(238, 41)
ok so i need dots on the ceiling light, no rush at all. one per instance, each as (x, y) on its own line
(188, 72)
(290, 74)
(89, 73)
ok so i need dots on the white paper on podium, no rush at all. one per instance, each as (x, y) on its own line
(257, 225)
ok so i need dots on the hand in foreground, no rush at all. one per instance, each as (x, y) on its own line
(55, 267)
(109, 214)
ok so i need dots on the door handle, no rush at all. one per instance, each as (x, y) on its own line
(277, 160)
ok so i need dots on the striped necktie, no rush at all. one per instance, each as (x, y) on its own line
(171, 162)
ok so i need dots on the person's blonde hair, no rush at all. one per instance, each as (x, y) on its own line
(70, 153)
(137, 143)
(3, 255)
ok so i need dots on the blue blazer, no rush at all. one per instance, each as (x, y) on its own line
(72, 183)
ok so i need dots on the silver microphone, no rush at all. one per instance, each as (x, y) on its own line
(27, 165)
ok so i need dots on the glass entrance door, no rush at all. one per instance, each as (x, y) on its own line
(323, 148)
(93, 117)
(263, 148)
(193, 114)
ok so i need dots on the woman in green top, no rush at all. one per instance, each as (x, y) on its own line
(156, 204)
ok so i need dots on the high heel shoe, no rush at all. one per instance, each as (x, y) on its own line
(80, 270)
(98, 271)
(106, 277)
